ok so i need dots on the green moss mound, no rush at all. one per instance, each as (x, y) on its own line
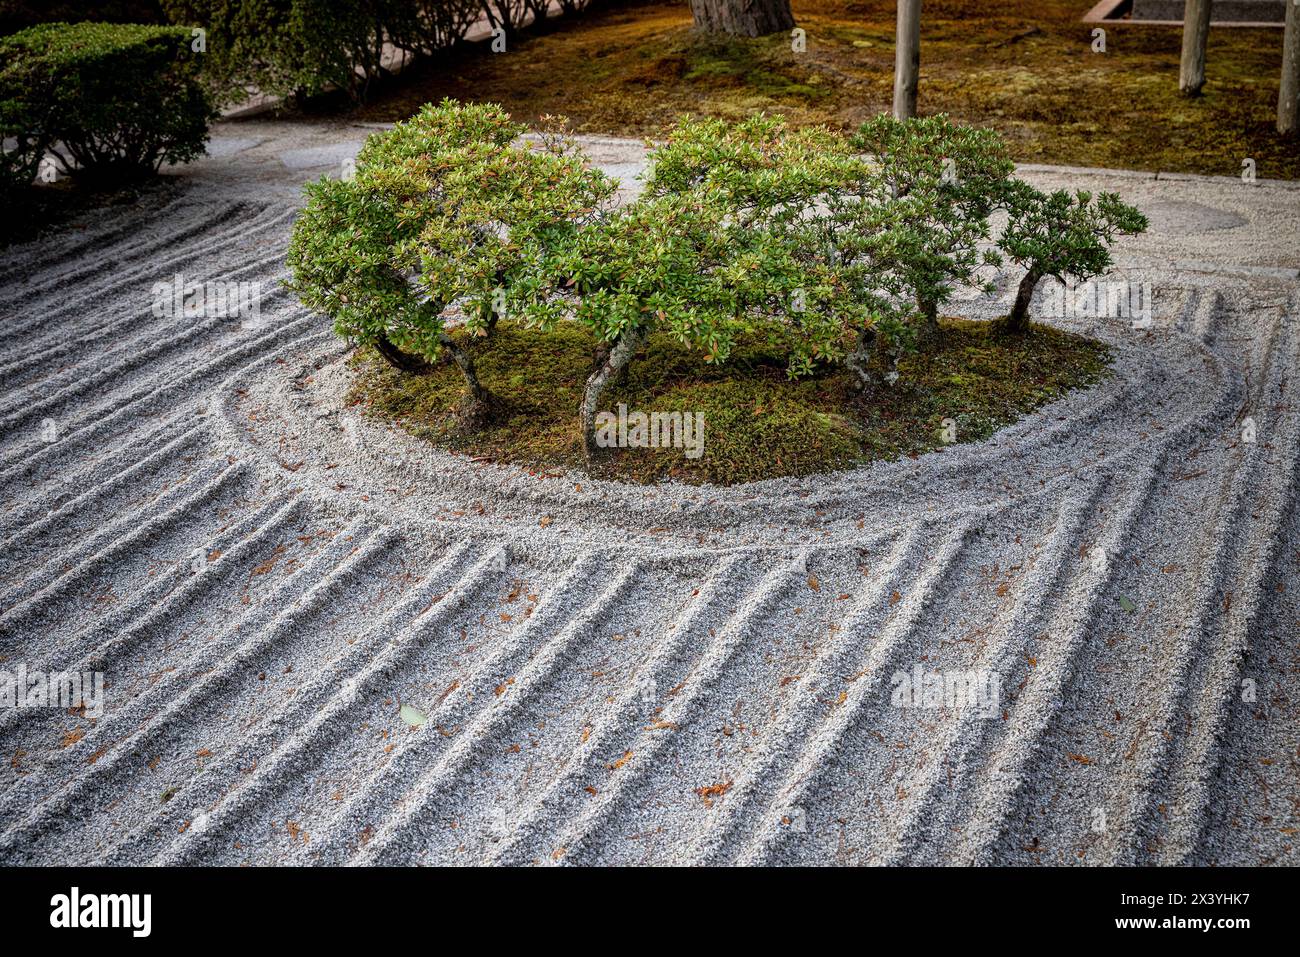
(758, 424)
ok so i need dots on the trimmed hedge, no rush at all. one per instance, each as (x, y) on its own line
(103, 99)
(302, 47)
(17, 15)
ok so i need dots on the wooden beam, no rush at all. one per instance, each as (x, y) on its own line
(907, 58)
(1288, 94)
(1196, 29)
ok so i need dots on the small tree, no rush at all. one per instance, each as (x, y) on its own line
(711, 252)
(1062, 235)
(446, 211)
(676, 264)
(925, 211)
(510, 16)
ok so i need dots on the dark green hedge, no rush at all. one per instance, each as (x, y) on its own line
(17, 15)
(103, 99)
(302, 47)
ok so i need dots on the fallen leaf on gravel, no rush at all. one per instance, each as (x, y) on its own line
(813, 583)
(707, 794)
(1082, 759)
(1127, 604)
(412, 716)
(627, 756)
(590, 790)
(269, 564)
(544, 521)
(895, 598)
(661, 725)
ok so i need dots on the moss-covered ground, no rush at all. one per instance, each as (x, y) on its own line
(758, 423)
(1024, 67)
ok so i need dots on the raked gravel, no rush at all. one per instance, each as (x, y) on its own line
(612, 674)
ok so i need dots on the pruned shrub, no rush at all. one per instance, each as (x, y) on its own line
(422, 27)
(926, 207)
(103, 99)
(282, 47)
(510, 16)
(17, 15)
(720, 247)
(1061, 235)
(299, 48)
(21, 151)
(447, 212)
(799, 241)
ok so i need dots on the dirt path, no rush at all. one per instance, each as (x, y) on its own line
(660, 674)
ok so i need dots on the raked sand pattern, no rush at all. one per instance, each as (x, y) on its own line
(636, 675)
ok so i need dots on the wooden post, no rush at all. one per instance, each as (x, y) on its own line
(1196, 28)
(1288, 96)
(907, 58)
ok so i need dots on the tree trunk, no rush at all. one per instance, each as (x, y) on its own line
(746, 18)
(399, 359)
(1196, 28)
(619, 355)
(1018, 319)
(929, 335)
(907, 58)
(859, 361)
(479, 404)
(1288, 97)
